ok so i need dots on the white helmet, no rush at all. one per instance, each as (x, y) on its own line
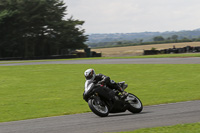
(89, 74)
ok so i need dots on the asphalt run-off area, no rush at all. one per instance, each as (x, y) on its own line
(192, 60)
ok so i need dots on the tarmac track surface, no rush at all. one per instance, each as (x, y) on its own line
(151, 116)
(192, 60)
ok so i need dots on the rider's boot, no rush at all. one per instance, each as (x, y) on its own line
(124, 86)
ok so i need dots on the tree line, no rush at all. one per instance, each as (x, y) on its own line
(135, 42)
(38, 28)
(160, 38)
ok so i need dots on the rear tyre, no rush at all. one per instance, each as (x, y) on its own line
(100, 110)
(135, 105)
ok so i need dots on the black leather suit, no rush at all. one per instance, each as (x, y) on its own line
(106, 92)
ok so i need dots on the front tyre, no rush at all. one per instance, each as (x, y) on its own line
(135, 105)
(100, 110)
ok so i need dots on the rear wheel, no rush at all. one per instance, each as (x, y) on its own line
(135, 105)
(100, 110)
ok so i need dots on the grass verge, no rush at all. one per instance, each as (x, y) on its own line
(49, 90)
(180, 128)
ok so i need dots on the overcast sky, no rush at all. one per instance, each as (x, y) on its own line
(126, 16)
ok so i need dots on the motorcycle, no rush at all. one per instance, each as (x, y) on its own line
(102, 107)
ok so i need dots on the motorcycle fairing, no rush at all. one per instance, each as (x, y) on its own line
(88, 85)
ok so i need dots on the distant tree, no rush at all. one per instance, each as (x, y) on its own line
(119, 43)
(169, 38)
(174, 37)
(158, 38)
(197, 39)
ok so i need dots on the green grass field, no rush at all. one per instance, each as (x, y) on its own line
(49, 90)
(180, 128)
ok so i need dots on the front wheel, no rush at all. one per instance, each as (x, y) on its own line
(100, 110)
(135, 105)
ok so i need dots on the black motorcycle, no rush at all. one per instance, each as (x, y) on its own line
(102, 107)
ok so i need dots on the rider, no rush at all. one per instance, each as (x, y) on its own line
(105, 80)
